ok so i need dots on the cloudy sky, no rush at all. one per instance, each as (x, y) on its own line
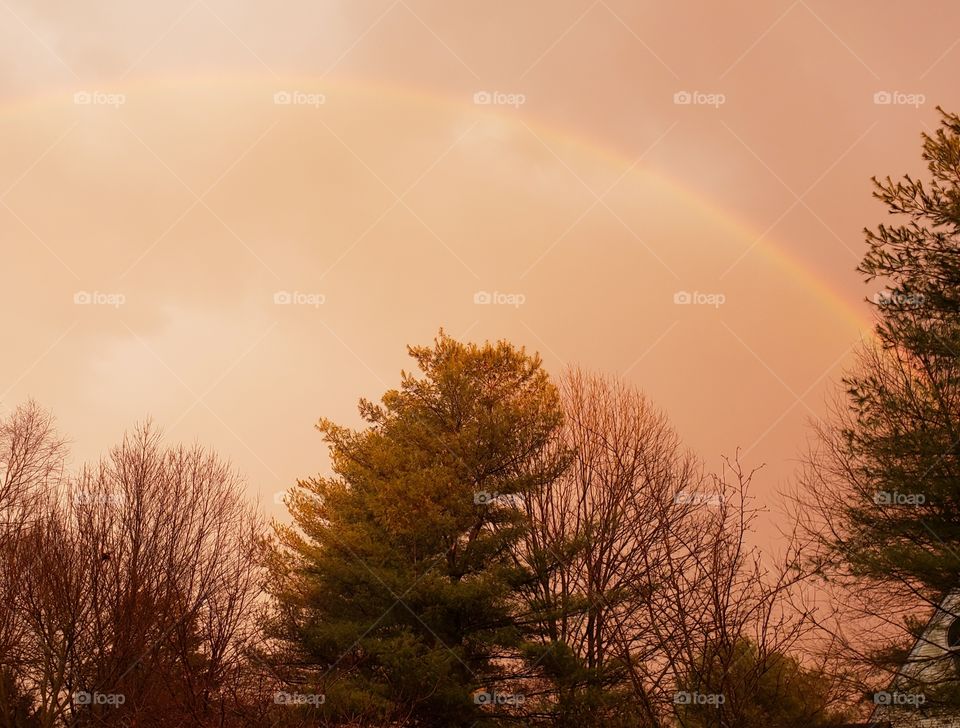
(233, 216)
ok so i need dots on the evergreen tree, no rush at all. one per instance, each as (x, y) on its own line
(903, 440)
(737, 685)
(886, 480)
(397, 586)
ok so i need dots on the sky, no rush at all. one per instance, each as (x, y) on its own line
(232, 217)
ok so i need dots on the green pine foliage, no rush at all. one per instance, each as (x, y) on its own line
(902, 441)
(764, 690)
(886, 477)
(398, 582)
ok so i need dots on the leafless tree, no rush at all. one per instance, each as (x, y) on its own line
(871, 610)
(31, 469)
(141, 583)
(643, 563)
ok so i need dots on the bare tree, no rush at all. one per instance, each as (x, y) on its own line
(644, 570)
(878, 528)
(609, 533)
(141, 584)
(31, 469)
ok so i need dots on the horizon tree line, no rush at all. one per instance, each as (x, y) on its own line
(497, 547)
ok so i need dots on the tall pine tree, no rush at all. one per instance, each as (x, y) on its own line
(886, 479)
(907, 400)
(397, 588)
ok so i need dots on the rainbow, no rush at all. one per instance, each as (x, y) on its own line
(797, 269)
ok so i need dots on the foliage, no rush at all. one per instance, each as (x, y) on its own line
(399, 582)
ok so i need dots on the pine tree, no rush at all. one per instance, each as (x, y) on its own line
(904, 437)
(737, 685)
(886, 479)
(397, 585)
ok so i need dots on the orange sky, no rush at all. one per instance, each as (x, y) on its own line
(151, 166)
